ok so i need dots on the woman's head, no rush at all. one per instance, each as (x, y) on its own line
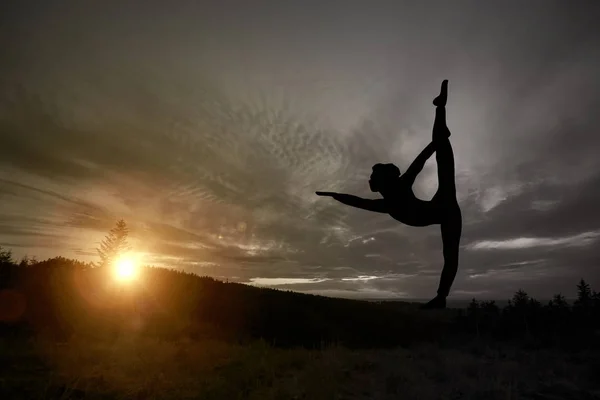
(383, 176)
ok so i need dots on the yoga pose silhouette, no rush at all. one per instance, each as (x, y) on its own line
(400, 202)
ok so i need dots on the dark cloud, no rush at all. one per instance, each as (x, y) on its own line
(208, 128)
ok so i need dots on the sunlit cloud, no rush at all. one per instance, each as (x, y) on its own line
(494, 196)
(524, 263)
(284, 281)
(363, 278)
(514, 273)
(582, 239)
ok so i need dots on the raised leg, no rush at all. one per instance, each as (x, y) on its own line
(440, 100)
(440, 129)
(445, 198)
(444, 154)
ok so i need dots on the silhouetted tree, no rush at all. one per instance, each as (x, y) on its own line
(596, 307)
(114, 244)
(7, 269)
(559, 302)
(5, 256)
(534, 305)
(473, 313)
(520, 299)
(596, 300)
(518, 309)
(490, 307)
(582, 307)
(27, 261)
(558, 318)
(584, 295)
(473, 307)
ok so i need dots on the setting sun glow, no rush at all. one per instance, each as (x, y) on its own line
(126, 268)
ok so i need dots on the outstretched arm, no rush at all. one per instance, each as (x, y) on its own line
(419, 162)
(375, 205)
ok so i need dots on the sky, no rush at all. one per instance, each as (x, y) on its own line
(208, 126)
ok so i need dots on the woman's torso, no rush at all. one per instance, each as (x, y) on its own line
(405, 207)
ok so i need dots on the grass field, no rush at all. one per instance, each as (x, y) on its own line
(139, 368)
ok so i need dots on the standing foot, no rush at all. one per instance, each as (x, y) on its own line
(440, 101)
(437, 303)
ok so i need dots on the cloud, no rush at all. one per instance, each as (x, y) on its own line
(285, 281)
(211, 142)
(361, 278)
(582, 239)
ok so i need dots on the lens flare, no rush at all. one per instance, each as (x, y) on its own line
(126, 268)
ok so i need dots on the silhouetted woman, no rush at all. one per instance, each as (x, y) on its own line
(400, 202)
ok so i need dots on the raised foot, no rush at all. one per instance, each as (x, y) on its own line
(436, 303)
(440, 100)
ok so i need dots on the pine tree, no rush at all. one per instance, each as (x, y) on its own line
(596, 299)
(520, 299)
(520, 306)
(473, 313)
(559, 302)
(114, 244)
(6, 268)
(5, 256)
(584, 295)
(490, 307)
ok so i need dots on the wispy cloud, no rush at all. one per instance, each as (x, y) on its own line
(524, 263)
(582, 239)
(508, 274)
(285, 281)
(361, 278)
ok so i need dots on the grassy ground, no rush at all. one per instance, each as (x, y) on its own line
(137, 368)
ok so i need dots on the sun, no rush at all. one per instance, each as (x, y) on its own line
(126, 268)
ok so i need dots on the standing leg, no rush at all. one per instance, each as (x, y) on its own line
(451, 231)
(451, 228)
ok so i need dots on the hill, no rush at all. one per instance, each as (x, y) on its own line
(61, 298)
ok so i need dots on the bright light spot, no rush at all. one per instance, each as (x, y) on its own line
(126, 268)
